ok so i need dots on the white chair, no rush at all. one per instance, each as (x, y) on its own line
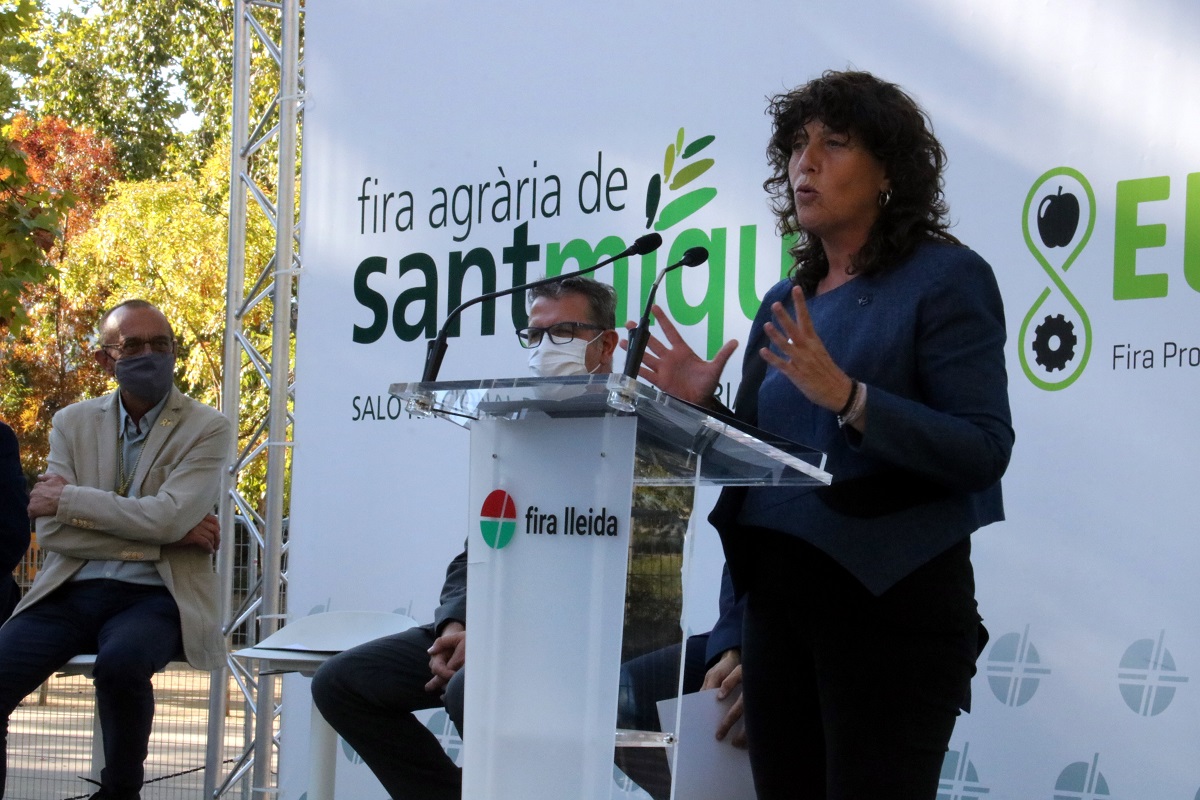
(302, 646)
(84, 665)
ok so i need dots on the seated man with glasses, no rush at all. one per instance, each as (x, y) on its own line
(123, 514)
(369, 693)
(571, 328)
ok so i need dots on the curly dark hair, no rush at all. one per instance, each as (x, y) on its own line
(896, 131)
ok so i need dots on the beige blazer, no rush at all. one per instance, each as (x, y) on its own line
(178, 481)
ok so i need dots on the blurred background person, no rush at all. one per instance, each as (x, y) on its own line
(14, 519)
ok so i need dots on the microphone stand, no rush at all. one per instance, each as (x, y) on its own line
(640, 335)
(436, 350)
(623, 398)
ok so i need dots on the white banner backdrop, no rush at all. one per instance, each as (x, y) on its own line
(454, 148)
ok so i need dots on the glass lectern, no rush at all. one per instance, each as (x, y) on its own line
(553, 466)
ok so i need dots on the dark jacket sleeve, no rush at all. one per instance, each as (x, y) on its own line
(454, 593)
(14, 503)
(958, 433)
(14, 519)
(727, 633)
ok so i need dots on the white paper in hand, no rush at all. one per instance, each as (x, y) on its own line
(706, 769)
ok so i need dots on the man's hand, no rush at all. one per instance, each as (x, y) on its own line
(46, 493)
(447, 656)
(675, 367)
(725, 676)
(206, 535)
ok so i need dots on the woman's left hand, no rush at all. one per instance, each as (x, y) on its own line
(802, 356)
(725, 676)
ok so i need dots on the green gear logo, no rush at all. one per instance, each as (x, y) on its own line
(680, 207)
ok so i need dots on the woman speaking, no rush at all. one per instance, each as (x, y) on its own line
(885, 349)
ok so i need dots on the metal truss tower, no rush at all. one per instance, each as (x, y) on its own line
(263, 179)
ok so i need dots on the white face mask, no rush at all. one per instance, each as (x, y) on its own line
(550, 360)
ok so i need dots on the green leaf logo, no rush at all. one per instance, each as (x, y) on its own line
(679, 207)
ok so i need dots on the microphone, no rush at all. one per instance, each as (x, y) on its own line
(436, 350)
(640, 335)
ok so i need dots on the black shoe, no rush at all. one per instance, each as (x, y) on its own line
(107, 794)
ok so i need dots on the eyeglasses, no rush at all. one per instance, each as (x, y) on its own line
(134, 347)
(558, 333)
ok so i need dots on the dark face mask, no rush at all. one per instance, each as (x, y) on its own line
(147, 377)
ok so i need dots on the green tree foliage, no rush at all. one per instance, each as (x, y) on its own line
(29, 210)
(154, 80)
(29, 223)
(165, 241)
(131, 70)
(47, 363)
(162, 240)
(17, 57)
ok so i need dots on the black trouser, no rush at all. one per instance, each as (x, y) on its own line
(368, 694)
(849, 695)
(134, 631)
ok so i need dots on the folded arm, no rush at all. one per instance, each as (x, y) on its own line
(93, 523)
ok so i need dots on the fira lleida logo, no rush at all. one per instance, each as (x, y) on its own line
(1014, 669)
(1080, 780)
(498, 521)
(1056, 339)
(1148, 676)
(960, 779)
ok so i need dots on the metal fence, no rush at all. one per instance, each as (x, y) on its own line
(50, 739)
(50, 735)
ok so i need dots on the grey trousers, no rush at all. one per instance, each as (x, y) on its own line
(368, 694)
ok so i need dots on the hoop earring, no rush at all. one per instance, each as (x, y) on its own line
(885, 198)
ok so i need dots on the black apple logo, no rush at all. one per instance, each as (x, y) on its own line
(1058, 217)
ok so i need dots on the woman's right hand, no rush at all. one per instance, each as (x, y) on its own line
(676, 369)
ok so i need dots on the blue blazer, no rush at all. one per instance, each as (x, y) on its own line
(727, 632)
(927, 337)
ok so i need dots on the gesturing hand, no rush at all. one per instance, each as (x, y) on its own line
(676, 369)
(802, 356)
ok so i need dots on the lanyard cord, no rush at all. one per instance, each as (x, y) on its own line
(126, 480)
